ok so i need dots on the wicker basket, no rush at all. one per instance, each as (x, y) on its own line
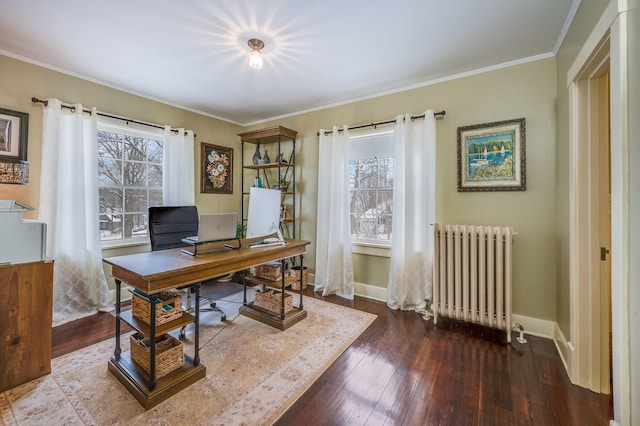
(271, 300)
(269, 271)
(169, 355)
(168, 309)
(295, 272)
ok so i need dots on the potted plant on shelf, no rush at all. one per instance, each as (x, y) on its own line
(241, 229)
(284, 183)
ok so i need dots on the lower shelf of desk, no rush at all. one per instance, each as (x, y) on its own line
(271, 319)
(135, 379)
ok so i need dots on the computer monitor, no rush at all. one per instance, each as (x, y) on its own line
(263, 218)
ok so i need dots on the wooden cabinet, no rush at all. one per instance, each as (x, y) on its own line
(279, 145)
(26, 292)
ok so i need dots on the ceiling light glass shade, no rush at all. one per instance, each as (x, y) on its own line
(255, 59)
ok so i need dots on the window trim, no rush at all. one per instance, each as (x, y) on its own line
(129, 242)
(372, 246)
(135, 130)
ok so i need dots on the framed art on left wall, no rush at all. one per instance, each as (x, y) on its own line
(216, 173)
(14, 127)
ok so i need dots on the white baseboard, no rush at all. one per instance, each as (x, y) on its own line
(565, 349)
(548, 330)
(535, 326)
(370, 291)
(362, 290)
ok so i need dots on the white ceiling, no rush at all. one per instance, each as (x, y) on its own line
(194, 53)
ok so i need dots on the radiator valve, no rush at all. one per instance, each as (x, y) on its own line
(428, 312)
(517, 326)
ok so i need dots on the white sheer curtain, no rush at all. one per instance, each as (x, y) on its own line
(414, 211)
(69, 206)
(334, 265)
(178, 171)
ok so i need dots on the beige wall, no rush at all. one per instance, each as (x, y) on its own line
(583, 23)
(20, 81)
(527, 90)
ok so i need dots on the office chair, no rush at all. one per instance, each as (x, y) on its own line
(167, 227)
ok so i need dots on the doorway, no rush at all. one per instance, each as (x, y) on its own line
(591, 225)
(606, 49)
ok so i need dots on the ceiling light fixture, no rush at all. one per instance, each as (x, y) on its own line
(255, 57)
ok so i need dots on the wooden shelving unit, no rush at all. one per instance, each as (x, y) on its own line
(145, 387)
(282, 142)
(280, 320)
(253, 280)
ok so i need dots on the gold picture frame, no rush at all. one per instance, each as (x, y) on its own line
(491, 156)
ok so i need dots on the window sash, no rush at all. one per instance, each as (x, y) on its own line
(371, 187)
(126, 194)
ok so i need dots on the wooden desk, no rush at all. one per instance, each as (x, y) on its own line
(155, 271)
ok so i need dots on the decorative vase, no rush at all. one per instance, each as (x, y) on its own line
(256, 155)
(266, 158)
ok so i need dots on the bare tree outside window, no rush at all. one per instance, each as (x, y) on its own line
(371, 198)
(130, 181)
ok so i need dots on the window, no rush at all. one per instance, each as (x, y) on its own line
(130, 181)
(371, 187)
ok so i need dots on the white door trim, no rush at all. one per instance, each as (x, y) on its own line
(608, 39)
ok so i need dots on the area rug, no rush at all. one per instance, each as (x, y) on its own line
(254, 374)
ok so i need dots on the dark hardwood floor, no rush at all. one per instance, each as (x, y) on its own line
(405, 371)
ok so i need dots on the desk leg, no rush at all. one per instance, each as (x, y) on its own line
(117, 351)
(244, 282)
(196, 339)
(282, 268)
(301, 275)
(152, 341)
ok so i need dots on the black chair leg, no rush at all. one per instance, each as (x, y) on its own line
(213, 307)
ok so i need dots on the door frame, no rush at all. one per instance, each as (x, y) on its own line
(584, 246)
(606, 44)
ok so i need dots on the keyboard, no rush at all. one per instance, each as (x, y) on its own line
(264, 243)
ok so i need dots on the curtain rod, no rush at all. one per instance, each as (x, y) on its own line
(437, 115)
(104, 114)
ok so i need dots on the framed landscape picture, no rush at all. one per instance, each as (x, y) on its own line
(216, 174)
(491, 156)
(14, 126)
